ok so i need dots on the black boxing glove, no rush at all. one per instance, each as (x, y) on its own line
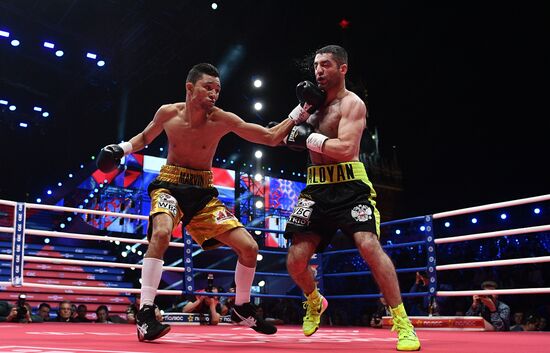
(311, 98)
(303, 136)
(109, 157)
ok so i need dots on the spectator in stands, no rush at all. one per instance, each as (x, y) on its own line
(5, 309)
(44, 311)
(382, 309)
(419, 306)
(542, 324)
(517, 320)
(33, 318)
(227, 303)
(531, 324)
(74, 313)
(81, 312)
(131, 312)
(204, 304)
(103, 316)
(64, 313)
(490, 308)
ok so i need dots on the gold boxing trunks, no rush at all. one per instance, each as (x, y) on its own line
(189, 196)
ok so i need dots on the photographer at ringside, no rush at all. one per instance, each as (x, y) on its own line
(204, 304)
(490, 308)
(18, 313)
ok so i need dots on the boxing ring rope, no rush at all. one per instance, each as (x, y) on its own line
(429, 243)
(187, 258)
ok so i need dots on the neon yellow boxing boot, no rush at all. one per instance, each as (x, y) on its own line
(315, 305)
(406, 336)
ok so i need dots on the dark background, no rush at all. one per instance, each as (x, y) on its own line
(455, 89)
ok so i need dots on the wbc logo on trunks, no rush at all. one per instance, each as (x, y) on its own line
(167, 202)
(361, 213)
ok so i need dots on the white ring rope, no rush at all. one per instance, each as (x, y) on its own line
(491, 206)
(465, 293)
(84, 210)
(492, 234)
(8, 203)
(92, 289)
(7, 230)
(61, 261)
(92, 237)
(522, 261)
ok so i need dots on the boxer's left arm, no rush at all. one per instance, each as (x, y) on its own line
(350, 129)
(256, 133)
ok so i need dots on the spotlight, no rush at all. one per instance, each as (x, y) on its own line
(259, 257)
(59, 53)
(4, 34)
(536, 210)
(258, 106)
(214, 6)
(258, 154)
(12, 108)
(91, 56)
(474, 220)
(261, 283)
(45, 114)
(503, 216)
(257, 83)
(49, 45)
(37, 109)
(15, 43)
(397, 231)
(258, 177)
(447, 224)
(259, 204)
(100, 63)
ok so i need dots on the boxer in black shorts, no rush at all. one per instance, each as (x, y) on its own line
(338, 194)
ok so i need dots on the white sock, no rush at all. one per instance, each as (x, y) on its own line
(243, 281)
(150, 280)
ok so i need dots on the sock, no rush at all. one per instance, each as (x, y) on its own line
(243, 281)
(313, 295)
(150, 280)
(399, 311)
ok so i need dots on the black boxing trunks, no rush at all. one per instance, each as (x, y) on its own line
(189, 196)
(337, 196)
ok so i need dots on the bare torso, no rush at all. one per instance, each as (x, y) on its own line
(193, 144)
(326, 121)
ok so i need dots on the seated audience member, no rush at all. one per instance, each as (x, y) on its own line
(131, 312)
(531, 324)
(104, 317)
(490, 308)
(517, 320)
(64, 313)
(44, 311)
(81, 312)
(382, 309)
